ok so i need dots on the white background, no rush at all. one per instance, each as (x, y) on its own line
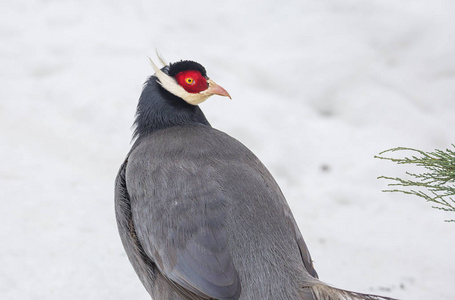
(318, 87)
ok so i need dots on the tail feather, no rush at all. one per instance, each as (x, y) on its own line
(322, 291)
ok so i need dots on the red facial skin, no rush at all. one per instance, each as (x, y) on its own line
(192, 81)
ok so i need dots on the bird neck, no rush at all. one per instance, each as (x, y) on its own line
(158, 109)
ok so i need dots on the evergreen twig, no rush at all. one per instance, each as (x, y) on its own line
(438, 182)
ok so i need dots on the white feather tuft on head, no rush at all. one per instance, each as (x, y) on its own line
(160, 57)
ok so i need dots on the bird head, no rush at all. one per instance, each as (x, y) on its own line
(188, 80)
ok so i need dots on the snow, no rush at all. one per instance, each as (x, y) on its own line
(318, 87)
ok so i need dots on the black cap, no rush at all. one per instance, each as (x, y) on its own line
(185, 65)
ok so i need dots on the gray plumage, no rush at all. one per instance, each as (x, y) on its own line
(200, 217)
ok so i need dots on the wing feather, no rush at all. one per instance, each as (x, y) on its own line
(179, 214)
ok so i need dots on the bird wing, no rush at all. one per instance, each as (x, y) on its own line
(179, 213)
(304, 252)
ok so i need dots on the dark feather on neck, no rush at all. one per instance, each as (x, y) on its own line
(158, 109)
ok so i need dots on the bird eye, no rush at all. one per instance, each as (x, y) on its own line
(192, 81)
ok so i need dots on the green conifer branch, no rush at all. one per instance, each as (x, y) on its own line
(436, 185)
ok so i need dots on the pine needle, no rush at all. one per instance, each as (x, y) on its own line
(435, 185)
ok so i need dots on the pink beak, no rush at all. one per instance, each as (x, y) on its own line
(215, 89)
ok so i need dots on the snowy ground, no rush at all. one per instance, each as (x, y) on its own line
(319, 88)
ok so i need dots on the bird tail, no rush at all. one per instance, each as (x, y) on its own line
(322, 291)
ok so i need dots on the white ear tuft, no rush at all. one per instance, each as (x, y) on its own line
(160, 57)
(153, 64)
